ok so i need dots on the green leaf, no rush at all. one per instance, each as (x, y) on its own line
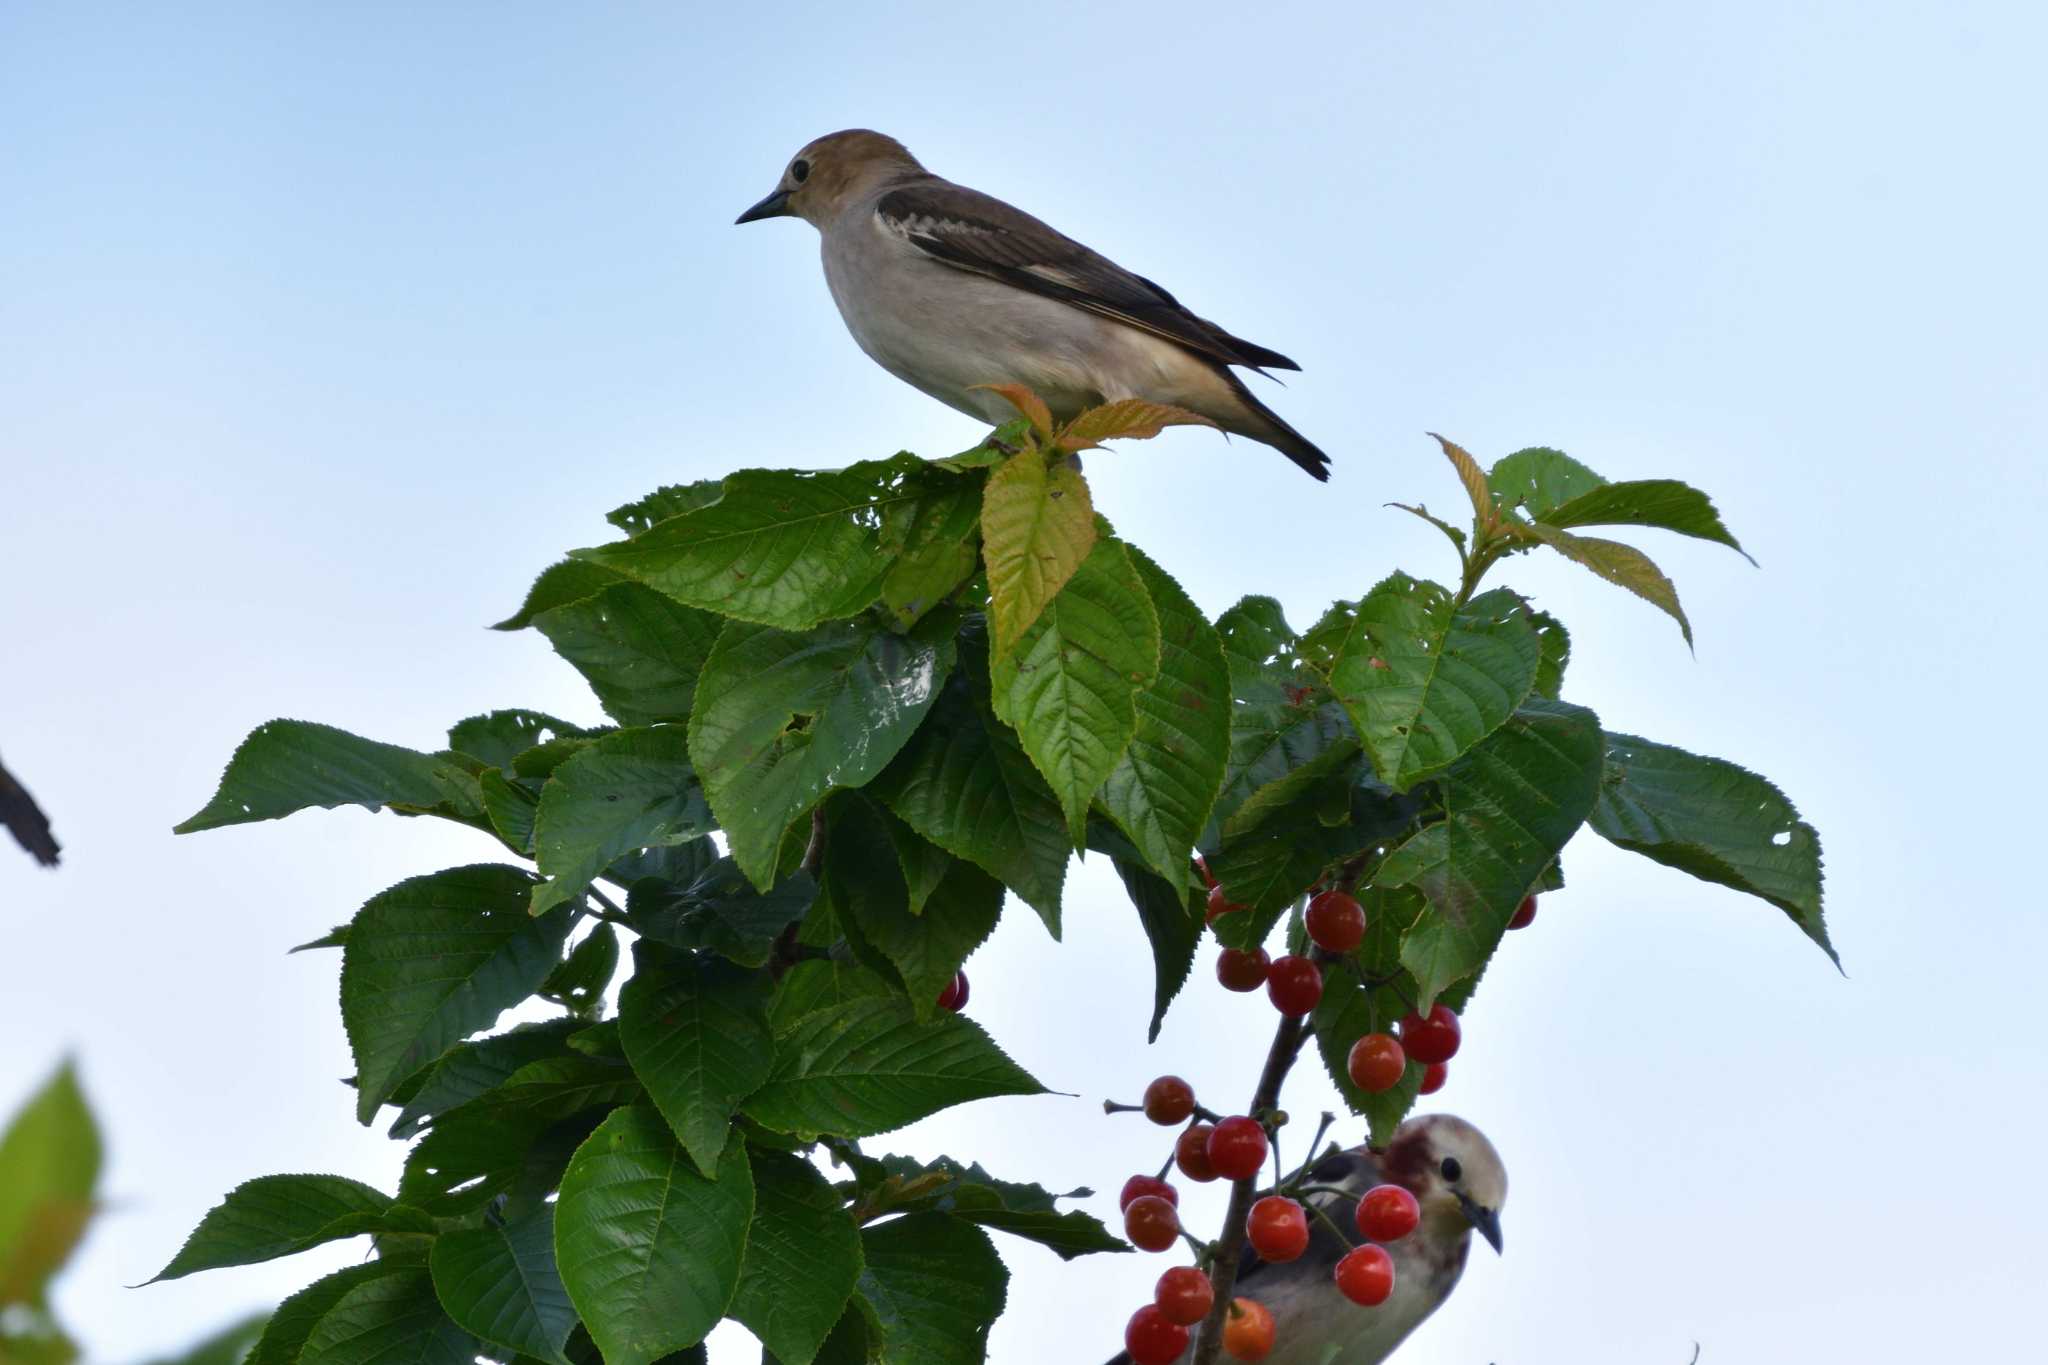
(579, 982)
(1347, 1011)
(1622, 565)
(291, 765)
(1425, 679)
(1715, 820)
(1278, 719)
(1663, 503)
(1171, 912)
(284, 1336)
(280, 1215)
(1070, 686)
(816, 985)
(572, 580)
(965, 783)
(630, 790)
(933, 543)
(923, 863)
(803, 1258)
(720, 910)
(519, 1134)
(869, 1065)
(433, 960)
(670, 500)
(499, 737)
(49, 1163)
(936, 1285)
(1037, 526)
(1557, 653)
(785, 548)
(649, 1249)
(499, 1282)
(1539, 479)
(696, 1031)
(388, 1320)
(468, 1070)
(974, 1196)
(1510, 805)
(639, 650)
(1471, 476)
(782, 719)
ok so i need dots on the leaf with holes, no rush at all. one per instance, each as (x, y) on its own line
(1557, 652)
(499, 1283)
(292, 765)
(648, 1249)
(499, 737)
(1424, 678)
(433, 960)
(1715, 820)
(1539, 479)
(803, 1259)
(670, 500)
(696, 1031)
(630, 790)
(783, 719)
(579, 981)
(1037, 526)
(639, 650)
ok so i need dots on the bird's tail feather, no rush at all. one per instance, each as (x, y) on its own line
(1268, 426)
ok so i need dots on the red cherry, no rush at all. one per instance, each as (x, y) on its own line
(1140, 1185)
(1433, 1077)
(1336, 922)
(1434, 1039)
(1184, 1295)
(1294, 984)
(1366, 1275)
(1277, 1228)
(1376, 1063)
(954, 997)
(1191, 1153)
(1152, 1338)
(1220, 905)
(1237, 1148)
(1208, 877)
(1241, 969)
(1151, 1223)
(1388, 1213)
(1525, 914)
(1169, 1100)
(1248, 1330)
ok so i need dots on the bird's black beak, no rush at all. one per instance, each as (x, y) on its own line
(1486, 1221)
(776, 205)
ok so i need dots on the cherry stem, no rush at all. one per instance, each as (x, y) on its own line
(1169, 1163)
(1330, 1223)
(1229, 1249)
(1117, 1107)
(1315, 1143)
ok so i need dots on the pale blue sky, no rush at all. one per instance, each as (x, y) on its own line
(322, 328)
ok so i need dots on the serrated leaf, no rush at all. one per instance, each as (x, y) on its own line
(1170, 911)
(1037, 525)
(670, 500)
(785, 548)
(292, 765)
(468, 1070)
(972, 1195)
(571, 580)
(1557, 653)
(1161, 791)
(803, 1259)
(965, 783)
(1132, 419)
(996, 447)
(523, 1131)
(499, 1282)
(388, 1320)
(579, 982)
(1424, 679)
(1028, 404)
(1622, 565)
(783, 719)
(1717, 821)
(433, 960)
(720, 910)
(639, 650)
(695, 1028)
(648, 1249)
(869, 1065)
(871, 900)
(935, 1285)
(278, 1215)
(1663, 503)
(932, 543)
(50, 1159)
(1510, 805)
(284, 1335)
(499, 737)
(1471, 476)
(630, 790)
(816, 985)
(1538, 479)
(1070, 686)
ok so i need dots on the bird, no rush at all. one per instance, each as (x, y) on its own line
(953, 291)
(1456, 1177)
(25, 820)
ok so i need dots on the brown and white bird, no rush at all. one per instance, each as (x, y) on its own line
(1459, 1182)
(951, 290)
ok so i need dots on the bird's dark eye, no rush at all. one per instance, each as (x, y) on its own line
(1451, 1169)
(799, 170)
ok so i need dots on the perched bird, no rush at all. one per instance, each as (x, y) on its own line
(1456, 1177)
(950, 289)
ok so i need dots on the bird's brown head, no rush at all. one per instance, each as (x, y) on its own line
(832, 171)
(1453, 1172)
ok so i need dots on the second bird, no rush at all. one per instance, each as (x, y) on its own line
(950, 289)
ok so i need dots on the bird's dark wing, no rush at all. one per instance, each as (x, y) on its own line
(1357, 1170)
(973, 231)
(26, 821)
